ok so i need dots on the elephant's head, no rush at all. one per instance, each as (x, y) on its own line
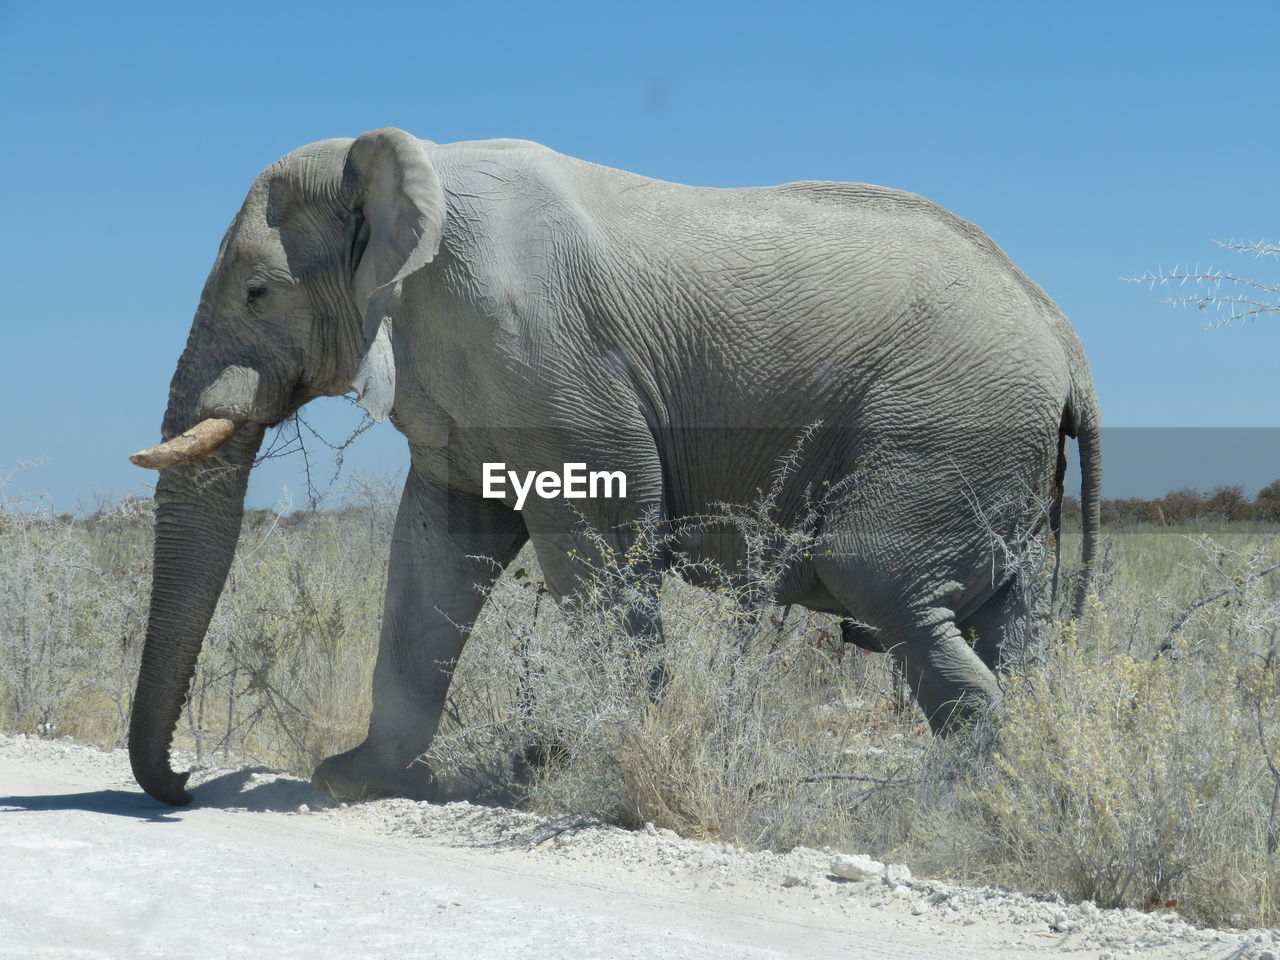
(294, 308)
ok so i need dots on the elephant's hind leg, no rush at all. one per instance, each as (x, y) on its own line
(999, 629)
(948, 680)
(915, 623)
(1005, 629)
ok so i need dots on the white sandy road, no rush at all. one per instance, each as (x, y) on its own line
(89, 867)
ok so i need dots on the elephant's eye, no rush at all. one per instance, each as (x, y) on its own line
(256, 292)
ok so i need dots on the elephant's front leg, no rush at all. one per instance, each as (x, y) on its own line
(447, 549)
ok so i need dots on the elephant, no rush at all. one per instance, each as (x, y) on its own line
(502, 303)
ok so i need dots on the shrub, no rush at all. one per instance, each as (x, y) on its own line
(1135, 765)
(760, 734)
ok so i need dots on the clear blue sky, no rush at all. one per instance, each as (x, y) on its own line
(1091, 140)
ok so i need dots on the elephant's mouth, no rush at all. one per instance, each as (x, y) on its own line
(189, 446)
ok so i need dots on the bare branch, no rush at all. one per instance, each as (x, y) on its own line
(1255, 297)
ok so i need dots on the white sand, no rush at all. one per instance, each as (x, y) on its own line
(90, 867)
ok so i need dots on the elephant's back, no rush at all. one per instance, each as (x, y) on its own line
(750, 238)
(845, 295)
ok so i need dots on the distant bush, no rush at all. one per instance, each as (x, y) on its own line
(1267, 504)
(1225, 504)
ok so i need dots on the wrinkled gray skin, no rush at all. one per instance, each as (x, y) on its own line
(683, 335)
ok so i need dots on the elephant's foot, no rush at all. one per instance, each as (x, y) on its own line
(950, 682)
(362, 774)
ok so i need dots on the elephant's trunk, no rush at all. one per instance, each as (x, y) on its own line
(198, 513)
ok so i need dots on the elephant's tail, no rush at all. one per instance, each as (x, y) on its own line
(1083, 420)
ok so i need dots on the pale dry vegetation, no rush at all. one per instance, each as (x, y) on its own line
(1136, 760)
(1137, 764)
(283, 675)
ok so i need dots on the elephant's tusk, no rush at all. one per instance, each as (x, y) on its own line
(189, 446)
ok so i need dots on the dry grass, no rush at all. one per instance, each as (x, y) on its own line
(284, 673)
(1130, 764)
(1115, 771)
(1138, 766)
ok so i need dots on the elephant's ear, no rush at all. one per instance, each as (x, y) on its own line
(396, 220)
